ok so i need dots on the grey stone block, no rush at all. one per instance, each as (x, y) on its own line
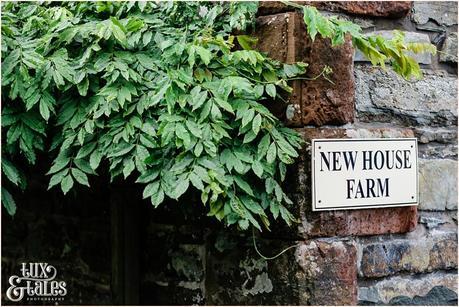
(449, 50)
(386, 97)
(437, 184)
(442, 12)
(383, 291)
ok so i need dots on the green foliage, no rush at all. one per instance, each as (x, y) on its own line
(157, 91)
(377, 49)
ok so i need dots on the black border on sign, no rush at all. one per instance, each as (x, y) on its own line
(313, 190)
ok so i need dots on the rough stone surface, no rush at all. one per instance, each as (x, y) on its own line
(387, 289)
(410, 37)
(438, 296)
(439, 151)
(322, 102)
(434, 219)
(420, 251)
(437, 184)
(384, 96)
(313, 102)
(368, 8)
(438, 143)
(328, 273)
(362, 222)
(442, 12)
(178, 267)
(449, 50)
(443, 135)
(238, 276)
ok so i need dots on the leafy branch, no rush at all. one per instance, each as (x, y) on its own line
(374, 47)
(157, 91)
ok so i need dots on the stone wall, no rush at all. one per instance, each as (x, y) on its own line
(404, 255)
(375, 265)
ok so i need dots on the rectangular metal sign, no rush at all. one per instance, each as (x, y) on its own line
(364, 173)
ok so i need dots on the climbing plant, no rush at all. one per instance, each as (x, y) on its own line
(160, 93)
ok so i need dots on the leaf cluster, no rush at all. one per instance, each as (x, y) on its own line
(158, 92)
(374, 47)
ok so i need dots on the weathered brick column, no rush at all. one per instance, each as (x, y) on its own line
(313, 102)
(332, 258)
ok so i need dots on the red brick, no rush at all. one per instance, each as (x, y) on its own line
(324, 102)
(362, 222)
(392, 9)
(313, 102)
(328, 274)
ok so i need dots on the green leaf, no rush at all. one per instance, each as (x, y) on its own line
(204, 54)
(11, 172)
(157, 198)
(224, 105)
(57, 178)
(271, 154)
(66, 184)
(310, 19)
(182, 133)
(8, 202)
(151, 189)
(80, 177)
(198, 149)
(256, 124)
(86, 150)
(44, 111)
(123, 95)
(181, 188)
(94, 159)
(84, 166)
(263, 146)
(83, 87)
(196, 181)
(118, 31)
(59, 163)
(274, 208)
(121, 149)
(194, 128)
(244, 224)
(129, 166)
(246, 42)
(271, 90)
(243, 185)
(148, 176)
(257, 168)
(247, 117)
(249, 137)
(286, 215)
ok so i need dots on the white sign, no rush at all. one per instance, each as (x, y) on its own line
(364, 173)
